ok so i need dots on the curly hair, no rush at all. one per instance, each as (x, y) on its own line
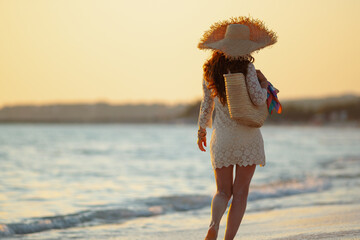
(219, 64)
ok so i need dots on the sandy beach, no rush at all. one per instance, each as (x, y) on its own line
(320, 222)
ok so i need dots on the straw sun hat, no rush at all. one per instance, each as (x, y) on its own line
(237, 37)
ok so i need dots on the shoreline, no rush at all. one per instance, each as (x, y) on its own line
(352, 124)
(327, 222)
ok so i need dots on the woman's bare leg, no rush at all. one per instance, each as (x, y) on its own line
(240, 193)
(224, 182)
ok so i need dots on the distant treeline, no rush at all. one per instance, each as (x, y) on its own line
(328, 113)
(343, 109)
(308, 111)
(91, 113)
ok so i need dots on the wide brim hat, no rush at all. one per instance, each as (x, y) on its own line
(238, 37)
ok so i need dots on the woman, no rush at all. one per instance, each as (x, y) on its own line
(232, 143)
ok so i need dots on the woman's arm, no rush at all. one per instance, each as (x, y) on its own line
(206, 108)
(257, 94)
(205, 116)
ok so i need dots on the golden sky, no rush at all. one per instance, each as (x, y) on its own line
(146, 51)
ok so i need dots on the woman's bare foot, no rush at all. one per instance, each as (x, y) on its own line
(212, 233)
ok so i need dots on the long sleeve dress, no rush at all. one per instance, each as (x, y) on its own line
(231, 142)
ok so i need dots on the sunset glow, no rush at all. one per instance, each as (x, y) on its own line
(145, 51)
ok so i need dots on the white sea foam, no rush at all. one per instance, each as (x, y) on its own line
(154, 206)
(290, 187)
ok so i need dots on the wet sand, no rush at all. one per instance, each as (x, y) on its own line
(318, 222)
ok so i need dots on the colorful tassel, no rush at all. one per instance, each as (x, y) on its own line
(272, 100)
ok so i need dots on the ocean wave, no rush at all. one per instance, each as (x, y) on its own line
(342, 162)
(147, 208)
(342, 168)
(287, 188)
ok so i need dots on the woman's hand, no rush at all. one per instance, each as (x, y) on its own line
(264, 84)
(262, 79)
(202, 139)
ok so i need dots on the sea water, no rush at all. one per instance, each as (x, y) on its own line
(107, 181)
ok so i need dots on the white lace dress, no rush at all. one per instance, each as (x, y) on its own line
(231, 142)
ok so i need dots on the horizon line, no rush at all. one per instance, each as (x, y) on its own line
(151, 102)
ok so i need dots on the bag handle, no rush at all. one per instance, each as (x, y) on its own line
(244, 79)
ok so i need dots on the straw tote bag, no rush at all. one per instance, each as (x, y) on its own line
(239, 103)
